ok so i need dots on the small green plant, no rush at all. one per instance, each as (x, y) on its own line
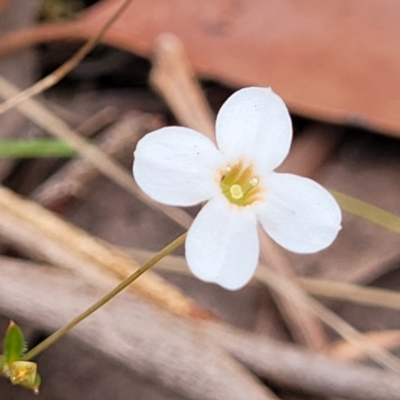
(12, 364)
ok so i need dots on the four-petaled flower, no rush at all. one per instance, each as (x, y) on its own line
(181, 167)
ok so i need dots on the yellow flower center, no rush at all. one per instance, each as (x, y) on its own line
(23, 372)
(240, 185)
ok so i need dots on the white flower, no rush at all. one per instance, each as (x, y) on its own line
(181, 167)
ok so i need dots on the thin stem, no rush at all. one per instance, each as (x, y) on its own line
(94, 307)
(60, 72)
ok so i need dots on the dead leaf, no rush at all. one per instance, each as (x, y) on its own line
(3, 3)
(334, 61)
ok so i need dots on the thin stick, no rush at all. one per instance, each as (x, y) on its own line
(354, 293)
(304, 327)
(173, 76)
(105, 299)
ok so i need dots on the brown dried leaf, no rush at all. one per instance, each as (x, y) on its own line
(3, 3)
(334, 61)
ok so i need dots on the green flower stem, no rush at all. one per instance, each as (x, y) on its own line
(94, 307)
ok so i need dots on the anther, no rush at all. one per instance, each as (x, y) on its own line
(254, 181)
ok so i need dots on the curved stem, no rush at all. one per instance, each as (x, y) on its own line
(94, 307)
(60, 72)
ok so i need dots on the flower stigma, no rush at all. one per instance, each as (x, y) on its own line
(240, 185)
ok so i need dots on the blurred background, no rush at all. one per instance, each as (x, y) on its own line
(336, 65)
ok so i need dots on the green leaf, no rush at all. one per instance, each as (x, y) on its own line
(38, 148)
(14, 343)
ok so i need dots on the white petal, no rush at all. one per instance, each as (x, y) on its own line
(176, 166)
(255, 123)
(299, 214)
(222, 244)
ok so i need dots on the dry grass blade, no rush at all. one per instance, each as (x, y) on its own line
(342, 350)
(173, 76)
(63, 70)
(98, 121)
(303, 325)
(46, 236)
(48, 121)
(368, 212)
(345, 291)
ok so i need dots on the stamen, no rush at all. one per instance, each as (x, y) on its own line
(240, 184)
(254, 181)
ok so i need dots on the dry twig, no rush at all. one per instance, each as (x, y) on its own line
(173, 77)
(174, 350)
